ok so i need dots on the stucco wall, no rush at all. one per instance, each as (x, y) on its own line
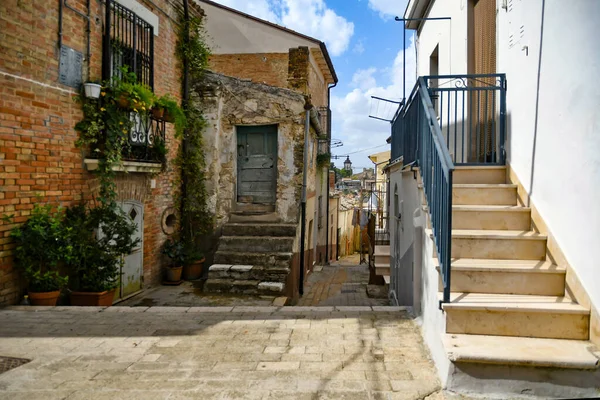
(227, 103)
(556, 157)
(553, 131)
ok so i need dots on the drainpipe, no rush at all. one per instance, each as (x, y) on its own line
(185, 99)
(308, 106)
(329, 148)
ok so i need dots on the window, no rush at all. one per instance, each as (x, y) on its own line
(131, 44)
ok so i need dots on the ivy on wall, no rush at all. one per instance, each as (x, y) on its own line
(196, 220)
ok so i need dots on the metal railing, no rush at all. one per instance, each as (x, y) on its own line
(128, 41)
(448, 120)
(418, 139)
(471, 113)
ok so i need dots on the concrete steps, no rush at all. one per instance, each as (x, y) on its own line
(525, 277)
(532, 352)
(491, 217)
(381, 254)
(498, 244)
(511, 315)
(274, 230)
(484, 194)
(479, 174)
(243, 258)
(256, 244)
(253, 257)
(509, 328)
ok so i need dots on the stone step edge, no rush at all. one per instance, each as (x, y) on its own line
(216, 309)
(521, 351)
(508, 306)
(490, 208)
(504, 268)
(478, 167)
(493, 234)
(281, 238)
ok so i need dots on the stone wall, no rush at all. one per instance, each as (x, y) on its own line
(39, 161)
(229, 102)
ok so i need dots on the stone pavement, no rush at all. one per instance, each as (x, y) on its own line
(214, 353)
(343, 283)
(186, 295)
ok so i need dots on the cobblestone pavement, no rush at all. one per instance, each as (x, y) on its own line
(185, 295)
(343, 283)
(214, 353)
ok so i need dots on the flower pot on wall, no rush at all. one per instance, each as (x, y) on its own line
(87, 299)
(168, 117)
(193, 271)
(44, 298)
(123, 102)
(174, 274)
(158, 113)
(92, 90)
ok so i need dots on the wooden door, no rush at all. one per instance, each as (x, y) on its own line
(132, 269)
(257, 164)
(484, 62)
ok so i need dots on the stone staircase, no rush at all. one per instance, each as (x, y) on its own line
(508, 307)
(252, 258)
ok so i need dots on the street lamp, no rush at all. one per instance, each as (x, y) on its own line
(348, 164)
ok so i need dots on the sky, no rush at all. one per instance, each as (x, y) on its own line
(365, 45)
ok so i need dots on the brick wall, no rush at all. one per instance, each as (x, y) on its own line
(39, 161)
(268, 68)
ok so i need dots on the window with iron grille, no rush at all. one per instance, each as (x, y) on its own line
(131, 44)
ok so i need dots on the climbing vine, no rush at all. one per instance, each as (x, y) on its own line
(196, 220)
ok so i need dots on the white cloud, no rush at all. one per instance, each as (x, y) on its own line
(388, 8)
(363, 78)
(350, 113)
(310, 17)
(359, 47)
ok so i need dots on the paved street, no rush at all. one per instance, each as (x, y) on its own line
(343, 283)
(214, 353)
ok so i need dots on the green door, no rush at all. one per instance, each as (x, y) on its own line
(257, 164)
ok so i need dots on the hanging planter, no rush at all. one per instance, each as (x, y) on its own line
(92, 90)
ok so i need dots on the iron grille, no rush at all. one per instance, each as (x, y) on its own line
(129, 41)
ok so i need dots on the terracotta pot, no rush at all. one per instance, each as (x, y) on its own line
(44, 298)
(168, 117)
(123, 102)
(193, 271)
(158, 113)
(174, 274)
(87, 299)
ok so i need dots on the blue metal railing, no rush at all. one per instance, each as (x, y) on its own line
(448, 120)
(471, 112)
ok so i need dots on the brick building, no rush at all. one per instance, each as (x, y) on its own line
(46, 51)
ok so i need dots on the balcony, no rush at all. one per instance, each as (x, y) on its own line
(145, 151)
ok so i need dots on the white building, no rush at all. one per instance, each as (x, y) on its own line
(498, 178)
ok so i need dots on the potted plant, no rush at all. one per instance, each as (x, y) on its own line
(173, 113)
(98, 237)
(40, 249)
(194, 262)
(175, 251)
(130, 95)
(92, 90)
